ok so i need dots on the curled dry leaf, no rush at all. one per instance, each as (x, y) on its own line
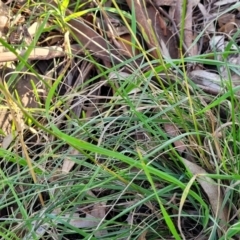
(227, 23)
(226, 18)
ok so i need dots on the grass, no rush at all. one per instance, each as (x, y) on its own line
(130, 177)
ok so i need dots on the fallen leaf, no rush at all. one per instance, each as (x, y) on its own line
(68, 163)
(143, 235)
(5, 13)
(120, 36)
(7, 140)
(213, 191)
(173, 131)
(93, 219)
(207, 79)
(227, 23)
(153, 28)
(188, 34)
(226, 18)
(217, 43)
(89, 39)
(4, 17)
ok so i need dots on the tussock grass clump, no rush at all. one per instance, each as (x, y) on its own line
(124, 138)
